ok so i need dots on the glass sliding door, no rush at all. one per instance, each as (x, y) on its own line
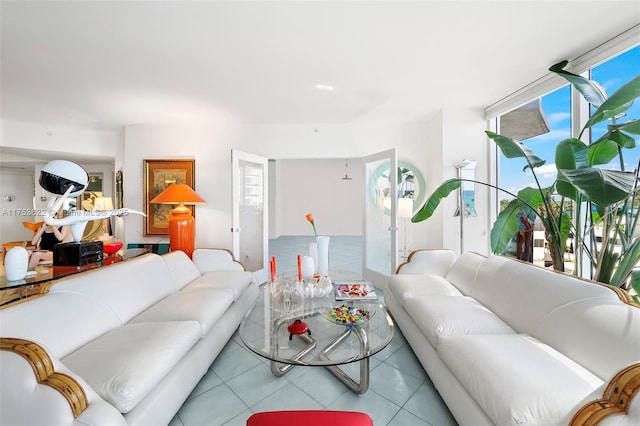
(380, 253)
(250, 212)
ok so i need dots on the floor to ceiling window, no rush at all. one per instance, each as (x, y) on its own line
(545, 121)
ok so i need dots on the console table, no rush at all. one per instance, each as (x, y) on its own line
(12, 291)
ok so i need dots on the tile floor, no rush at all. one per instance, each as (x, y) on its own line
(240, 383)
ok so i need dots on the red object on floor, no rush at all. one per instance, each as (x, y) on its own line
(309, 418)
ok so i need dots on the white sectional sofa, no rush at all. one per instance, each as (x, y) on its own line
(509, 343)
(124, 344)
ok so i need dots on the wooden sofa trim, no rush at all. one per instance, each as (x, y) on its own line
(615, 400)
(45, 373)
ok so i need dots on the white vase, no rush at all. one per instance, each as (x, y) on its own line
(323, 255)
(308, 267)
(16, 263)
(313, 253)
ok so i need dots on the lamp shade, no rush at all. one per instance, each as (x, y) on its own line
(405, 207)
(178, 193)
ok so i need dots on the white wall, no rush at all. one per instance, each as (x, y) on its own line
(316, 186)
(62, 140)
(433, 145)
(18, 184)
(463, 138)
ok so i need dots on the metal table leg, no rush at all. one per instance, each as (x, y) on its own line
(356, 387)
(279, 369)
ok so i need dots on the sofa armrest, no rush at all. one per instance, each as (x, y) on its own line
(44, 372)
(617, 399)
(213, 260)
(37, 389)
(435, 262)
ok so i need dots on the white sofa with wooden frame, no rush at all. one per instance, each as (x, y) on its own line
(509, 343)
(124, 344)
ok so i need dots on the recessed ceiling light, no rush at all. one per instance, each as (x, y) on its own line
(325, 87)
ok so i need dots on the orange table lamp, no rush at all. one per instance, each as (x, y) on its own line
(182, 234)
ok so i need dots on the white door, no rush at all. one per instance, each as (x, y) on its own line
(250, 212)
(380, 223)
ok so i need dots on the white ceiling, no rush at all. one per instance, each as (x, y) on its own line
(114, 63)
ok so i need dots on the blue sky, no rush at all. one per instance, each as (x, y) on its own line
(557, 105)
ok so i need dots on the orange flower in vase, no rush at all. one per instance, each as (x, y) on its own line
(313, 223)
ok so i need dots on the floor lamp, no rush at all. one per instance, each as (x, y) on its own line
(182, 235)
(405, 211)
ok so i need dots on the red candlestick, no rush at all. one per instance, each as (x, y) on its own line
(299, 268)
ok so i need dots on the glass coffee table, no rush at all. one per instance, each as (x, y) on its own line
(302, 334)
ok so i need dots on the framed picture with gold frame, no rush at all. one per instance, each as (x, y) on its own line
(158, 175)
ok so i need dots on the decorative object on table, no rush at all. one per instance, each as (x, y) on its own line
(313, 253)
(182, 235)
(308, 267)
(158, 175)
(348, 315)
(323, 254)
(15, 263)
(354, 290)
(111, 248)
(297, 328)
(74, 254)
(317, 286)
(312, 221)
(319, 252)
(65, 179)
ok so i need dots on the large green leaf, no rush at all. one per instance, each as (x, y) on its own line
(602, 152)
(635, 284)
(631, 126)
(505, 226)
(571, 154)
(514, 149)
(624, 140)
(628, 261)
(433, 201)
(619, 102)
(602, 187)
(533, 197)
(593, 92)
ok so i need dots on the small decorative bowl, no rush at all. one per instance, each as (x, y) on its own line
(111, 248)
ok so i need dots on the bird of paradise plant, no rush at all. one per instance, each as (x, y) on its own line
(601, 197)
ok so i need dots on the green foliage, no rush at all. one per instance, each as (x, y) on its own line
(600, 198)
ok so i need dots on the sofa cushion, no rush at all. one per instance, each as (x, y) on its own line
(125, 364)
(441, 316)
(587, 331)
(463, 273)
(236, 281)
(210, 260)
(516, 379)
(181, 268)
(53, 321)
(127, 288)
(523, 294)
(407, 286)
(204, 305)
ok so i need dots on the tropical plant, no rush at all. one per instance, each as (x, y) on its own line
(585, 197)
